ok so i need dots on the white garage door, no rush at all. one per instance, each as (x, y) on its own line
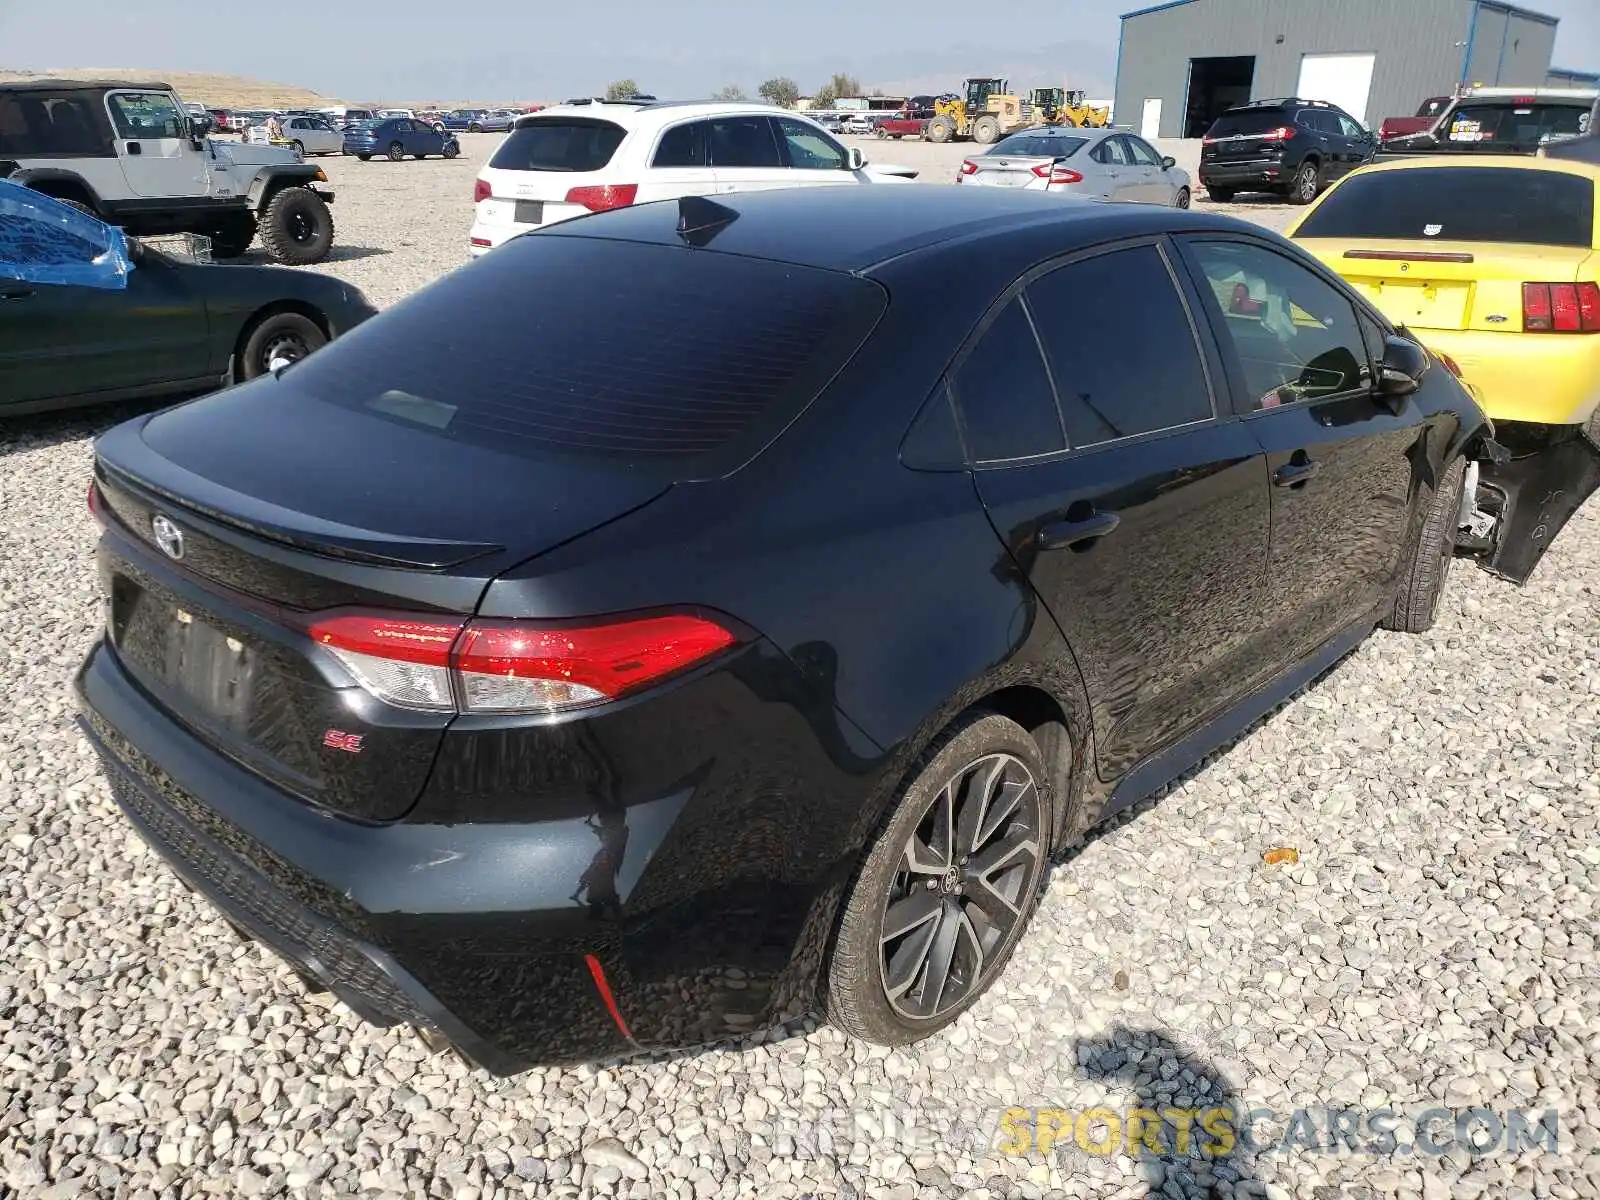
(1342, 79)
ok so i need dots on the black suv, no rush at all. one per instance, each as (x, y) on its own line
(1292, 147)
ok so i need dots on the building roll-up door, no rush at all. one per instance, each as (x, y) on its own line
(1342, 79)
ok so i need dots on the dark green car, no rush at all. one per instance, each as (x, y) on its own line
(88, 315)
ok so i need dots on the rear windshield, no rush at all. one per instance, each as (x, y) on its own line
(1459, 204)
(559, 144)
(1255, 120)
(1034, 146)
(1504, 124)
(576, 346)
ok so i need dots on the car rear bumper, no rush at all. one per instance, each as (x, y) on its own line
(666, 922)
(1543, 378)
(1257, 172)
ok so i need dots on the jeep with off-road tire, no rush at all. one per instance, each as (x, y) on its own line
(133, 155)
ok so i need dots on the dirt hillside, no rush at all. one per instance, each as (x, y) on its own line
(214, 91)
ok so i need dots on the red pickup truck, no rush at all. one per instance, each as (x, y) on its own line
(1426, 116)
(898, 125)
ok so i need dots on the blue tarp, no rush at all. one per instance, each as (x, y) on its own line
(45, 241)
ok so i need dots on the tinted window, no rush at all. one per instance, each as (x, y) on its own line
(1295, 336)
(682, 146)
(743, 142)
(809, 148)
(1025, 145)
(42, 123)
(1116, 377)
(1492, 125)
(559, 144)
(1459, 204)
(1004, 392)
(651, 353)
(1251, 121)
(1112, 152)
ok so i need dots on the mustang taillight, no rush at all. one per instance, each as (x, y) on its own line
(482, 666)
(1561, 308)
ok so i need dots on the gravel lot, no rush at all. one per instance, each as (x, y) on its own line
(1435, 945)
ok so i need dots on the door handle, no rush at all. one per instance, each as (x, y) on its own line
(1295, 474)
(135, 148)
(1062, 535)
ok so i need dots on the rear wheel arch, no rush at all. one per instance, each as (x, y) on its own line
(63, 186)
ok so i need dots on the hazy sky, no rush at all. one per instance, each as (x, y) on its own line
(521, 49)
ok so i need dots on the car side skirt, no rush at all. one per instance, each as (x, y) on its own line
(1164, 767)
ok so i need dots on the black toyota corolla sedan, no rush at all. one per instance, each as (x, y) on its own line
(697, 613)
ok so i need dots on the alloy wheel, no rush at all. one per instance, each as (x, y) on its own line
(961, 887)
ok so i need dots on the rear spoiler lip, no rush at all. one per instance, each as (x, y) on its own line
(122, 457)
(1441, 256)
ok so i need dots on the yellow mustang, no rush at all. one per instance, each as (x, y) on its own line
(1494, 263)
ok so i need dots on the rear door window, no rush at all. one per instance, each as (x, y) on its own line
(744, 142)
(570, 346)
(1004, 392)
(1459, 204)
(575, 144)
(1118, 378)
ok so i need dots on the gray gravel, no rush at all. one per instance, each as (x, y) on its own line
(1434, 945)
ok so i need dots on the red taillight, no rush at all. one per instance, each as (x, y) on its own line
(481, 190)
(441, 665)
(1282, 133)
(604, 196)
(1055, 174)
(968, 167)
(1560, 308)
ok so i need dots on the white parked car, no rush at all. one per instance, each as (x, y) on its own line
(858, 123)
(575, 159)
(313, 135)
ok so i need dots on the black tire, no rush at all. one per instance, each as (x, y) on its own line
(79, 205)
(452, 150)
(1220, 195)
(986, 131)
(1416, 603)
(397, 152)
(296, 227)
(474, 127)
(1307, 183)
(1183, 198)
(364, 157)
(299, 149)
(940, 896)
(232, 237)
(289, 335)
(941, 129)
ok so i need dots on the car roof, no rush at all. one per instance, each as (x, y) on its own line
(84, 85)
(1518, 162)
(656, 112)
(1063, 131)
(856, 229)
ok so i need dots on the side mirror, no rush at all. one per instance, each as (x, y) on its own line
(1168, 163)
(1403, 366)
(854, 159)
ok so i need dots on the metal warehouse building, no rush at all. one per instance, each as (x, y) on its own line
(1182, 63)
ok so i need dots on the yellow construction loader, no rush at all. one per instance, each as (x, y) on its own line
(1076, 110)
(986, 111)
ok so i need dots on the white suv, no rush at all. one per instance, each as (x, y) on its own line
(579, 158)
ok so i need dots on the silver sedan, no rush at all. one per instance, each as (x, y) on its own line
(1097, 164)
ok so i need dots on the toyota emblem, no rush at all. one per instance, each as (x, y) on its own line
(168, 536)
